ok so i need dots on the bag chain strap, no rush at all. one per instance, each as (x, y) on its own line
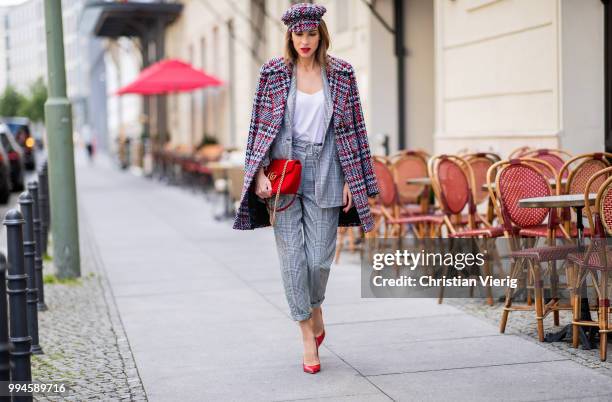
(280, 183)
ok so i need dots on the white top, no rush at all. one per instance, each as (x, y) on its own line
(308, 116)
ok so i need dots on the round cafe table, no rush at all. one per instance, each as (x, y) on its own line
(575, 201)
(419, 180)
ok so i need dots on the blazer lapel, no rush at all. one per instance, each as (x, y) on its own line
(329, 101)
(291, 98)
(279, 97)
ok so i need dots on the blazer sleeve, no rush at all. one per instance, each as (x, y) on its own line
(362, 138)
(255, 112)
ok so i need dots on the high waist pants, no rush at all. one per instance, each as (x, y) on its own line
(305, 238)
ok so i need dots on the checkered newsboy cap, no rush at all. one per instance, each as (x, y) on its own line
(303, 17)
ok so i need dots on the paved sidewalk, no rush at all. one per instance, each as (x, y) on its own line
(206, 318)
(84, 344)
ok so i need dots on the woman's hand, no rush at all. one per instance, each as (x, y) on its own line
(347, 198)
(263, 187)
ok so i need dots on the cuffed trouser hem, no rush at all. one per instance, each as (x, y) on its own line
(317, 304)
(302, 317)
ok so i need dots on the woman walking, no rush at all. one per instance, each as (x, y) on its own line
(307, 108)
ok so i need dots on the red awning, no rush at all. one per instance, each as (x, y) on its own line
(170, 75)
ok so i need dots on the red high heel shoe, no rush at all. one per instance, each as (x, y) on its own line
(320, 338)
(312, 368)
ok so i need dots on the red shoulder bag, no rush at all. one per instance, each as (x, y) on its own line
(285, 176)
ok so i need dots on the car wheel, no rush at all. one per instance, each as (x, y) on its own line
(5, 193)
(18, 186)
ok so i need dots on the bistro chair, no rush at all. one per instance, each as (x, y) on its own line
(413, 198)
(522, 179)
(480, 163)
(518, 152)
(454, 186)
(595, 262)
(453, 180)
(205, 155)
(555, 157)
(424, 154)
(344, 233)
(515, 180)
(382, 208)
(388, 210)
(578, 171)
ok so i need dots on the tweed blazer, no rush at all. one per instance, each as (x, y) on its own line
(329, 179)
(350, 137)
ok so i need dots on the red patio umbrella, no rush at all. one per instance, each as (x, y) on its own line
(170, 75)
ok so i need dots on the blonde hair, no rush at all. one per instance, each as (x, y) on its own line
(290, 54)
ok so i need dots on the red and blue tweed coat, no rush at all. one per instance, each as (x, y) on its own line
(351, 140)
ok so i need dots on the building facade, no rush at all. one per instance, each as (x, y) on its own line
(479, 75)
(521, 72)
(3, 47)
(25, 45)
(231, 40)
(24, 60)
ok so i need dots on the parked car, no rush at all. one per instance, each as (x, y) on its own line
(15, 159)
(20, 128)
(5, 170)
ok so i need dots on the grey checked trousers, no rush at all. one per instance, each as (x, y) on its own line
(305, 238)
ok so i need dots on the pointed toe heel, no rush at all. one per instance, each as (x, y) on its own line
(311, 369)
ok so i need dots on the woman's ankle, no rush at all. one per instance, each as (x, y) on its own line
(311, 352)
(317, 321)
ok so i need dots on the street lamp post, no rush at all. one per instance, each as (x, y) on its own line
(58, 122)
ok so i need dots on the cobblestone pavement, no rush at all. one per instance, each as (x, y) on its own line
(83, 338)
(523, 324)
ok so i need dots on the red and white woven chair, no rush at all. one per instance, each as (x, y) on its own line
(515, 180)
(396, 218)
(595, 262)
(578, 171)
(413, 199)
(454, 186)
(480, 164)
(519, 152)
(555, 157)
(382, 207)
(386, 206)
